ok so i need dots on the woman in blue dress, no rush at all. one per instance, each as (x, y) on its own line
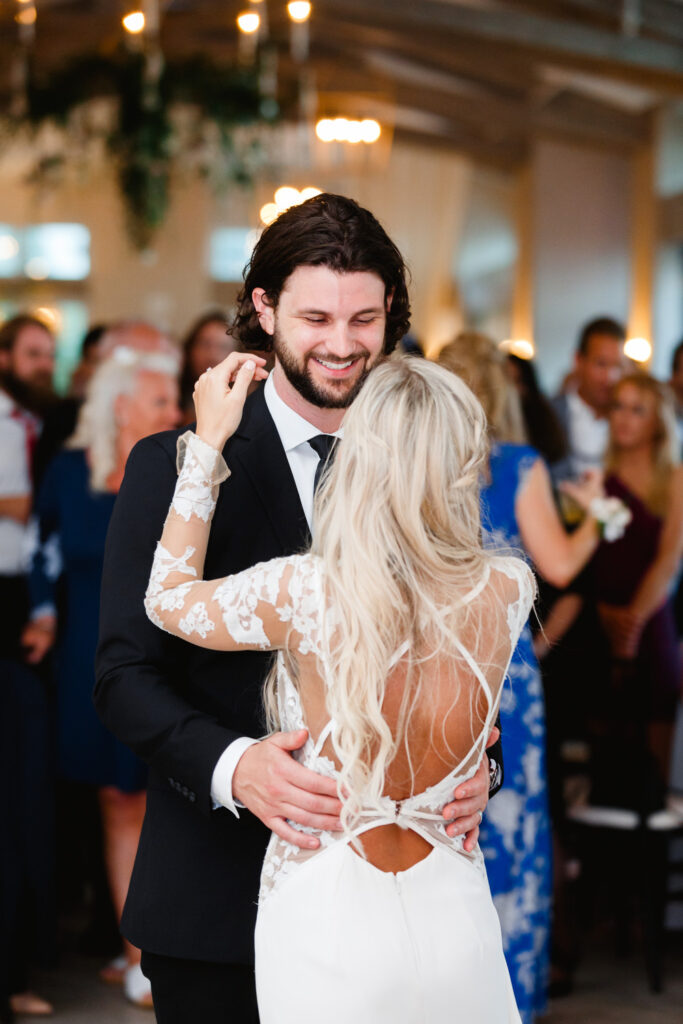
(519, 514)
(131, 395)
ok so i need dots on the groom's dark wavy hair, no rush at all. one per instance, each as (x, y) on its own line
(326, 231)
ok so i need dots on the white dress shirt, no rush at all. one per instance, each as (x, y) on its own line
(15, 481)
(588, 435)
(295, 433)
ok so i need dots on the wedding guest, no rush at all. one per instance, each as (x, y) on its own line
(131, 395)
(518, 512)
(543, 429)
(60, 419)
(138, 335)
(633, 577)
(676, 385)
(26, 878)
(27, 363)
(90, 359)
(583, 408)
(15, 506)
(206, 344)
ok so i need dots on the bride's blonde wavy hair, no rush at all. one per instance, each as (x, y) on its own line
(397, 527)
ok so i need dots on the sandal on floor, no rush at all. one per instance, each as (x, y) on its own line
(113, 972)
(31, 1005)
(136, 987)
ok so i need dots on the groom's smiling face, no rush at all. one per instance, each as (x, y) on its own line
(328, 332)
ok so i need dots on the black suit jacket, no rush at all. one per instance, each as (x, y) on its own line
(194, 886)
(195, 881)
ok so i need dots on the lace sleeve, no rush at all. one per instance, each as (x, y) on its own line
(274, 604)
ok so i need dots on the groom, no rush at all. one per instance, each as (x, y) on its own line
(326, 290)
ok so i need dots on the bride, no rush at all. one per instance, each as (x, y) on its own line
(393, 636)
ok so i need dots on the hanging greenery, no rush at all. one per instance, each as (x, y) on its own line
(160, 116)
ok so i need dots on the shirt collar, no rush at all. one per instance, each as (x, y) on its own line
(580, 408)
(292, 428)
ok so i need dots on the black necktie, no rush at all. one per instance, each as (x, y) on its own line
(324, 446)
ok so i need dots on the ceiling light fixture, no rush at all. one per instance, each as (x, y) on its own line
(134, 22)
(248, 22)
(285, 197)
(299, 10)
(519, 347)
(638, 349)
(343, 129)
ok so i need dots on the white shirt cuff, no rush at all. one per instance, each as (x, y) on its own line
(47, 608)
(221, 780)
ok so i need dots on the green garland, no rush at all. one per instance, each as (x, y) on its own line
(141, 140)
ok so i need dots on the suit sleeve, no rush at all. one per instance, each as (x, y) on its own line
(137, 666)
(495, 753)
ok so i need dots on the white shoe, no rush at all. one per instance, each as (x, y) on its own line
(114, 972)
(136, 987)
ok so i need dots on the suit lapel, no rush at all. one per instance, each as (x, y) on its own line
(258, 450)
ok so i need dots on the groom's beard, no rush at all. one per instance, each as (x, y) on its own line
(329, 395)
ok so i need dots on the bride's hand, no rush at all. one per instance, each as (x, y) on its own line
(218, 404)
(583, 491)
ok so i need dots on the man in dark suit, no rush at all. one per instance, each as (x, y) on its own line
(326, 289)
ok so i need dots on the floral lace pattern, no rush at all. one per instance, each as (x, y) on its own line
(197, 621)
(201, 469)
(157, 599)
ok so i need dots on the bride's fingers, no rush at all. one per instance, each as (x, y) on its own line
(232, 363)
(243, 379)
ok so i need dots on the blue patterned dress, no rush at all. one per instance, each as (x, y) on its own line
(515, 833)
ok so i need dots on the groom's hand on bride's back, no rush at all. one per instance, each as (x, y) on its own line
(471, 799)
(275, 787)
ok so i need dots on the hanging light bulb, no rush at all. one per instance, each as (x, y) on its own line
(26, 15)
(299, 10)
(343, 129)
(287, 196)
(638, 349)
(519, 347)
(269, 212)
(370, 130)
(248, 22)
(134, 22)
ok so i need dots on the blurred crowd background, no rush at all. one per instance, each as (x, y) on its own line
(527, 158)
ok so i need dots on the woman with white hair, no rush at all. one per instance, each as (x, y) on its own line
(132, 394)
(393, 636)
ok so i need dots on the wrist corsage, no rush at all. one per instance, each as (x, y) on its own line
(611, 515)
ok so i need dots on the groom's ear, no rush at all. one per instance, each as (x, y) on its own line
(264, 310)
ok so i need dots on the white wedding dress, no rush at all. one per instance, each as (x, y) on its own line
(337, 939)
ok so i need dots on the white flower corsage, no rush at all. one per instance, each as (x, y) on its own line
(612, 516)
